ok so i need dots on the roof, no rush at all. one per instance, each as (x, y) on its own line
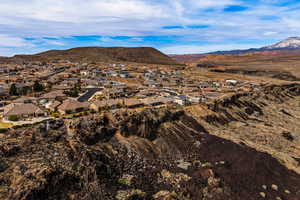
(155, 100)
(54, 104)
(108, 103)
(62, 87)
(3, 91)
(24, 99)
(132, 102)
(53, 94)
(71, 104)
(22, 109)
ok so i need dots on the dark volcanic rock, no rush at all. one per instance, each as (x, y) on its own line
(153, 154)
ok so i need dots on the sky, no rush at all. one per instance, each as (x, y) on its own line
(172, 26)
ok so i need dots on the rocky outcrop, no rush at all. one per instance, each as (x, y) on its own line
(162, 153)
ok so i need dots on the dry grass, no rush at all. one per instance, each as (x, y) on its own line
(289, 63)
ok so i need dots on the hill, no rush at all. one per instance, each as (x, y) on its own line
(101, 54)
(278, 66)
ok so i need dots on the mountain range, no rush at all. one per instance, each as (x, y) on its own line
(290, 45)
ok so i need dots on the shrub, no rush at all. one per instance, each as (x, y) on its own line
(13, 118)
(17, 126)
(68, 112)
(55, 115)
(93, 111)
(3, 130)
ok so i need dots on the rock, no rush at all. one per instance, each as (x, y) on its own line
(222, 162)
(197, 144)
(264, 187)
(206, 173)
(126, 179)
(213, 182)
(173, 178)
(278, 198)
(183, 165)
(287, 192)
(3, 165)
(130, 194)
(207, 164)
(262, 194)
(163, 195)
(197, 163)
(274, 187)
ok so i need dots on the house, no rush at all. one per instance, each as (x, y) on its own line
(72, 106)
(133, 103)
(25, 100)
(22, 111)
(212, 95)
(124, 75)
(112, 73)
(151, 84)
(4, 93)
(53, 95)
(231, 82)
(52, 106)
(106, 104)
(181, 100)
(84, 73)
(62, 87)
(155, 101)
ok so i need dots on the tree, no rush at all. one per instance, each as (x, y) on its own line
(13, 90)
(37, 87)
(72, 92)
(25, 90)
(13, 118)
(78, 85)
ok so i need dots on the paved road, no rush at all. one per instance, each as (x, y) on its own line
(86, 96)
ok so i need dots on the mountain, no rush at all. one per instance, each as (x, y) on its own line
(288, 46)
(100, 54)
(289, 43)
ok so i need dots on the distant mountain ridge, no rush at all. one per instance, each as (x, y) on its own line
(290, 45)
(147, 55)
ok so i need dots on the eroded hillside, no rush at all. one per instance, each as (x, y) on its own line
(243, 147)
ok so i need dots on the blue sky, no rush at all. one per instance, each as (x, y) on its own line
(172, 26)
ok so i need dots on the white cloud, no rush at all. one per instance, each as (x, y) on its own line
(270, 33)
(77, 11)
(67, 18)
(204, 4)
(11, 41)
(54, 42)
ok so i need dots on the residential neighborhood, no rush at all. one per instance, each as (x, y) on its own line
(36, 91)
